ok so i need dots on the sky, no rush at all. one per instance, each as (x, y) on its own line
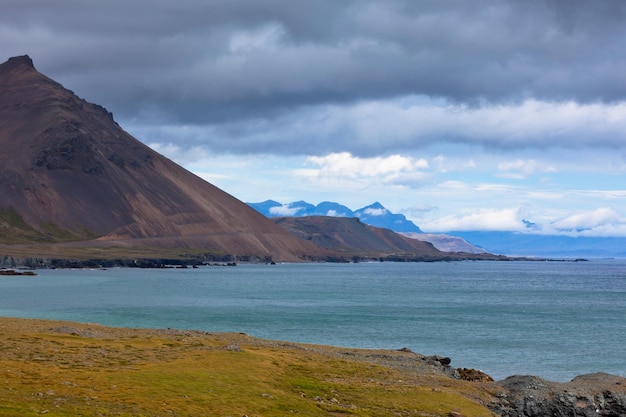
(504, 115)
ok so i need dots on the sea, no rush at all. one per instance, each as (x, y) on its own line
(552, 319)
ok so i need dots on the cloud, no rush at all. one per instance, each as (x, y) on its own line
(484, 219)
(604, 221)
(284, 210)
(520, 168)
(397, 126)
(393, 169)
(446, 165)
(375, 211)
(364, 77)
(205, 62)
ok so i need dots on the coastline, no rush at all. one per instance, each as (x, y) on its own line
(8, 262)
(48, 364)
(462, 310)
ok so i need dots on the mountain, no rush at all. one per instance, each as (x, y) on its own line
(446, 243)
(353, 238)
(302, 207)
(69, 172)
(265, 206)
(374, 214)
(327, 208)
(377, 215)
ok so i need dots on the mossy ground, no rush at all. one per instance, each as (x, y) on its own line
(14, 230)
(69, 369)
(83, 251)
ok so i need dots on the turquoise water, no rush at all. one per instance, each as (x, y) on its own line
(552, 319)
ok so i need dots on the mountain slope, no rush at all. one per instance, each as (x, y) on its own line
(352, 234)
(352, 237)
(69, 172)
(377, 215)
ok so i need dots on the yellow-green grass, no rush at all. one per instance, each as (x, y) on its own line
(83, 251)
(70, 369)
(14, 230)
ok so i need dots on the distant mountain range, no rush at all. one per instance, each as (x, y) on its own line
(528, 244)
(351, 238)
(375, 214)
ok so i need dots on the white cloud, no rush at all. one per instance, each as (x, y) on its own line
(484, 219)
(445, 165)
(345, 164)
(394, 169)
(603, 221)
(285, 210)
(375, 211)
(520, 169)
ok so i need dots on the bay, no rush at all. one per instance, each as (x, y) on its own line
(551, 319)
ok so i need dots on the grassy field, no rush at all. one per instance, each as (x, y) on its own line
(70, 369)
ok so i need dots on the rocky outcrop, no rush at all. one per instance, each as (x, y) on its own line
(591, 395)
(9, 262)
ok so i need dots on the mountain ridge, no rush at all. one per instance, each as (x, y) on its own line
(69, 172)
(359, 241)
(374, 214)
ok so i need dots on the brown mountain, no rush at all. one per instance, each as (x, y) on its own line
(353, 238)
(68, 172)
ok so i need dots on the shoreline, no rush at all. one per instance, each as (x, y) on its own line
(8, 262)
(67, 352)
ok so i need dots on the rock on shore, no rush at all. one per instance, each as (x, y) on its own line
(589, 395)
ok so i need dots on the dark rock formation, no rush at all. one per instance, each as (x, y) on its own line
(591, 395)
(12, 272)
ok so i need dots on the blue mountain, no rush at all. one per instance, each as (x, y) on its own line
(265, 207)
(374, 215)
(498, 242)
(378, 216)
(302, 208)
(328, 208)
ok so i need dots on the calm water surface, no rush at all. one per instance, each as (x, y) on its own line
(552, 319)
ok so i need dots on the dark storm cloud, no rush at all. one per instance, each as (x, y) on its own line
(207, 62)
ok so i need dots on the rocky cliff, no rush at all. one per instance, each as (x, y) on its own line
(591, 395)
